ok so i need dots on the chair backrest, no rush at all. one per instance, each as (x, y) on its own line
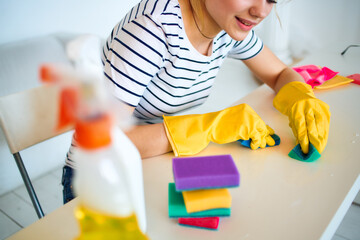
(29, 117)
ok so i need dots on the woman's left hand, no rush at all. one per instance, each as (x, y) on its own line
(309, 117)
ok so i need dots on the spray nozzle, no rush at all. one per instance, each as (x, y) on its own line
(80, 103)
(82, 95)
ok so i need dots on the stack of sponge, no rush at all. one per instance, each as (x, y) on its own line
(199, 195)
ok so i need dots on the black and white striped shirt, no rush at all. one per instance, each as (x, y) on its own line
(150, 64)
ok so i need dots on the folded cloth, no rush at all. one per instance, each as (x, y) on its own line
(334, 82)
(315, 75)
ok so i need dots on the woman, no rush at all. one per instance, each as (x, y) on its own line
(163, 56)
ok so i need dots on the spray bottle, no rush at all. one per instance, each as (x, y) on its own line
(108, 177)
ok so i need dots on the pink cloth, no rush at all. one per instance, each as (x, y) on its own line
(355, 77)
(314, 75)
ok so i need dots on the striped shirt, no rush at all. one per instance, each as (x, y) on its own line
(150, 64)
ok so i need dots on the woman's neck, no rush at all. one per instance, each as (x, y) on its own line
(199, 36)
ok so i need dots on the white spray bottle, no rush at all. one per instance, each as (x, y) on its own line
(108, 179)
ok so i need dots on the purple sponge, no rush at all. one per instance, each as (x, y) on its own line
(192, 173)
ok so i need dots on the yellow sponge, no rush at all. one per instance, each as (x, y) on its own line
(205, 199)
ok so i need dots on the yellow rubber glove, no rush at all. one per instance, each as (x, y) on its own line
(189, 134)
(309, 117)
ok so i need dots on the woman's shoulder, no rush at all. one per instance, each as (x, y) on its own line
(157, 16)
(161, 17)
(157, 9)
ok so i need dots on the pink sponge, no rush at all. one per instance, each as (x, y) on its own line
(192, 173)
(206, 222)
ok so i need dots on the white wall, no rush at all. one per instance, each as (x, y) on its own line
(324, 25)
(20, 19)
(320, 25)
(23, 19)
(311, 26)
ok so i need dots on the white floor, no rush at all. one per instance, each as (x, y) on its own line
(16, 211)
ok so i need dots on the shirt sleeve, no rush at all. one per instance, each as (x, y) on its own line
(132, 56)
(248, 48)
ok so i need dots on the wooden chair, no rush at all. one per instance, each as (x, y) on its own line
(28, 118)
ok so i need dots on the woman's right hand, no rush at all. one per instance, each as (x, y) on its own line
(189, 134)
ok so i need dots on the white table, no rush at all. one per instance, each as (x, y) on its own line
(278, 197)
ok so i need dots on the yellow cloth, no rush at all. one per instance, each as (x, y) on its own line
(206, 199)
(334, 82)
(189, 134)
(309, 117)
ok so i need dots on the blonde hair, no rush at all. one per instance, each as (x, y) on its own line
(278, 17)
(198, 9)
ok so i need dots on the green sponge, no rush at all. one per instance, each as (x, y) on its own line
(177, 207)
(297, 154)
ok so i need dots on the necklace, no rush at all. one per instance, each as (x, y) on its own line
(197, 26)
